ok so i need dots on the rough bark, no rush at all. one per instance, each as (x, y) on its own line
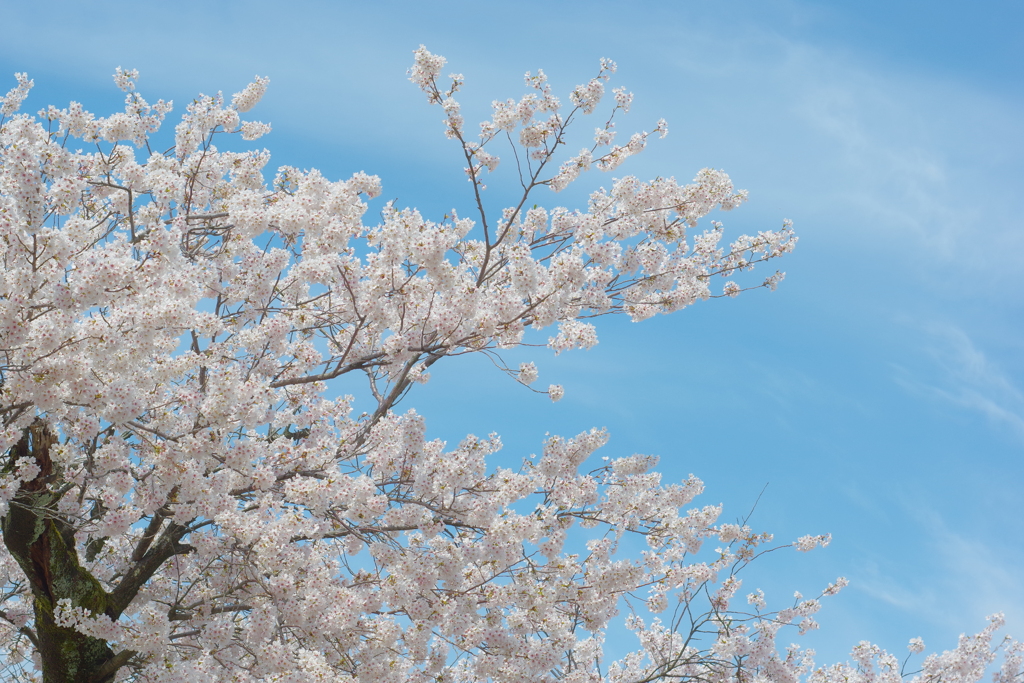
(43, 545)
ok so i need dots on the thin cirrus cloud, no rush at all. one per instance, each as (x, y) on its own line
(967, 377)
(968, 577)
(918, 164)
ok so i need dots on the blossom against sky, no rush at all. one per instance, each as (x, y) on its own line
(879, 393)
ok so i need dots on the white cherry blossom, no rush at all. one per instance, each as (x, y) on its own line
(187, 497)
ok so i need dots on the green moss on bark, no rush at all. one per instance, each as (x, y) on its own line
(43, 545)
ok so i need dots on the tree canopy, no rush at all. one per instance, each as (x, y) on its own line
(186, 497)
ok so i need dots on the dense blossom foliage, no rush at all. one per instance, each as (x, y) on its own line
(186, 497)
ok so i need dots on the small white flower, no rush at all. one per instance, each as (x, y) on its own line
(253, 93)
(527, 373)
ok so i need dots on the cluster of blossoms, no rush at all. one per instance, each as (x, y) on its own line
(185, 499)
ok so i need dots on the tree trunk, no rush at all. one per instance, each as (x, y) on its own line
(43, 544)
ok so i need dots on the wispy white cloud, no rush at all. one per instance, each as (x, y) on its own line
(967, 377)
(916, 168)
(961, 579)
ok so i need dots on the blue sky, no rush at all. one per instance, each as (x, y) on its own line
(879, 392)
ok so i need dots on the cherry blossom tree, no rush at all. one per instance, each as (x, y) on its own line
(185, 496)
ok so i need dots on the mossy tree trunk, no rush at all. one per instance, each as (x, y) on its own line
(44, 546)
(42, 541)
